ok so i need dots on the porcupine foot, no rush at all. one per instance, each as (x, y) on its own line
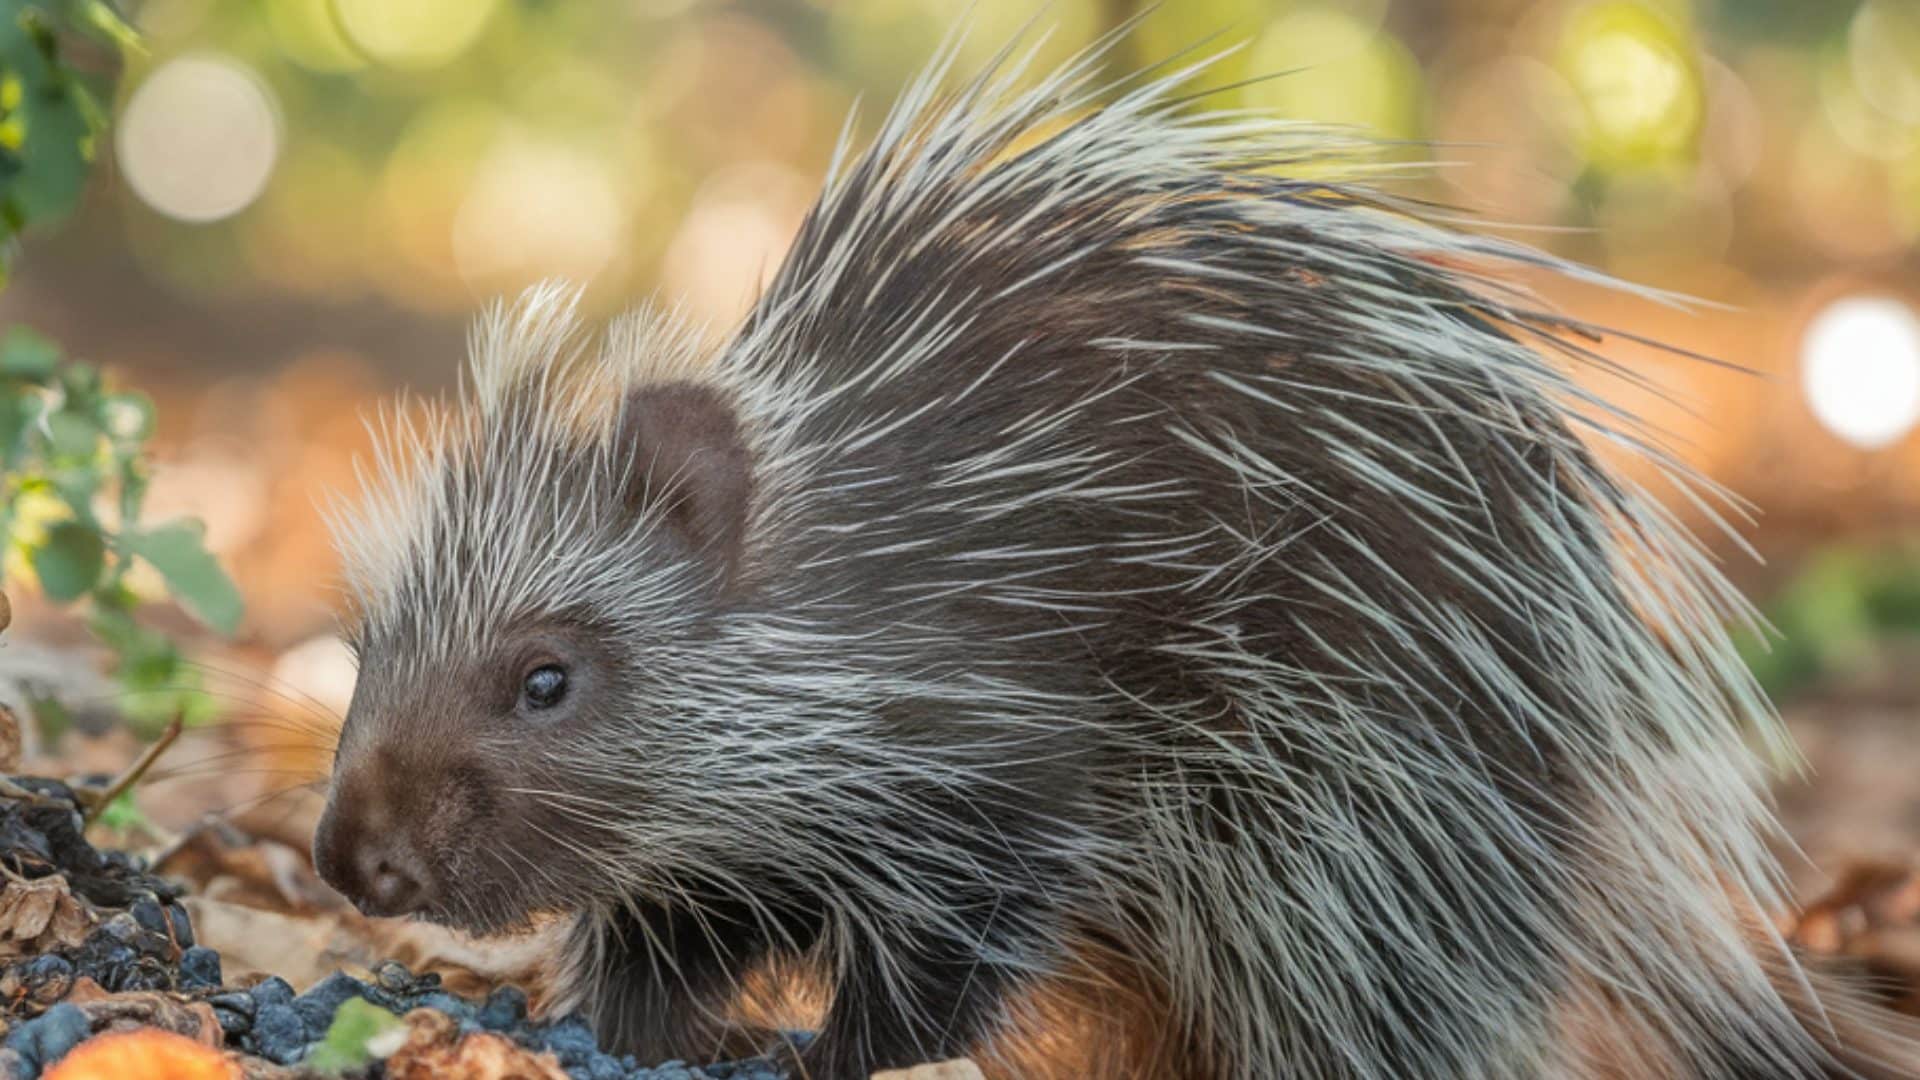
(938, 1003)
(669, 981)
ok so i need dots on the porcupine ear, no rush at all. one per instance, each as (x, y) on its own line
(687, 463)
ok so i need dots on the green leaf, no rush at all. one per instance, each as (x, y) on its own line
(50, 167)
(69, 562)
(121, 814)
(26, 354)
(76, 486)
(51, 716)
(15, 412)
(193, 576)
(354, 1038)
(133, 484)
(156, 681)
(80, 384)
(74, 434)
(128, 416)
(105, 24)
(113, 624)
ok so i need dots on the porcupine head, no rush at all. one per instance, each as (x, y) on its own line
(541, 581)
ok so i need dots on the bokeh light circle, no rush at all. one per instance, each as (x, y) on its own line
(1327, 66)
(1883, 47)
(413, 33)
(199, 137)
(537, 208)
(310, 35)
(1638, 81)
(1860, 368)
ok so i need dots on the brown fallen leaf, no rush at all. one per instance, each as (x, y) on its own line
(1870, 918)
(136, 1009)
(10, 741)
(306, 948)
(40, 914)
(435, 1048)
(1868, 896)
(224, 863)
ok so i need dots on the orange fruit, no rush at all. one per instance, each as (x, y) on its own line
(147, 1054)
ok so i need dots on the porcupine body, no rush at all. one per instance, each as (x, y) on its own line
(1109, 604)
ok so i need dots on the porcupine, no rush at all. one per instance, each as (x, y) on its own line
(1123, 603)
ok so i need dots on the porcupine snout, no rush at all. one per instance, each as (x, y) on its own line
(366, 848)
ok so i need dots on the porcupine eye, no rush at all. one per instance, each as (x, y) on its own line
(545, 686)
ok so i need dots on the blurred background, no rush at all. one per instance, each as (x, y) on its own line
(300, 203)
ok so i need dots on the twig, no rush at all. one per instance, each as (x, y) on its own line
(11, 790)
(100, 800)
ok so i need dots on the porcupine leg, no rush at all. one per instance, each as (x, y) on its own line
(911, 1002)
(671, 979)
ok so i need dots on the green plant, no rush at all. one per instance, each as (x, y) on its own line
(1835, 614)
(50, 112)
(73, 472)
(73, 478)
(361, 1032)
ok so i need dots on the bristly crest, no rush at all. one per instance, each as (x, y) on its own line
(508, 502)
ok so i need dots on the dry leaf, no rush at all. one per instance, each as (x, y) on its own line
(146, 1009)
(303, 949)
(1869, 896)
(38, 915)
(225, 864)
(10, 744)
(435, 1048)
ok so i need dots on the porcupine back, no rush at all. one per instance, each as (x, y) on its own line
(1388, 712)
(1187, 592)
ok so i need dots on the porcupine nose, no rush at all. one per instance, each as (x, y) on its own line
(388, 885)
(374, 867)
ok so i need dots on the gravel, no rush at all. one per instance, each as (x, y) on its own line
(147, 943)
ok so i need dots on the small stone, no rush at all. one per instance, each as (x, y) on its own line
(236, 1001)
(48, 977)
(199, 969)
(151, 916)
(47, 1038)
(506, 1007)
(323, 998)
(453, 1005)
(279, 1035)
(571, 1040)
(603, 1067)
(393, 976)
(273, 990)
(182, 926)
(146, 975)
(121, 928)
(233, 1021)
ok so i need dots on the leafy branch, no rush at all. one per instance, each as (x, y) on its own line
(73, 481)
(51, 116)
(73, 469)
